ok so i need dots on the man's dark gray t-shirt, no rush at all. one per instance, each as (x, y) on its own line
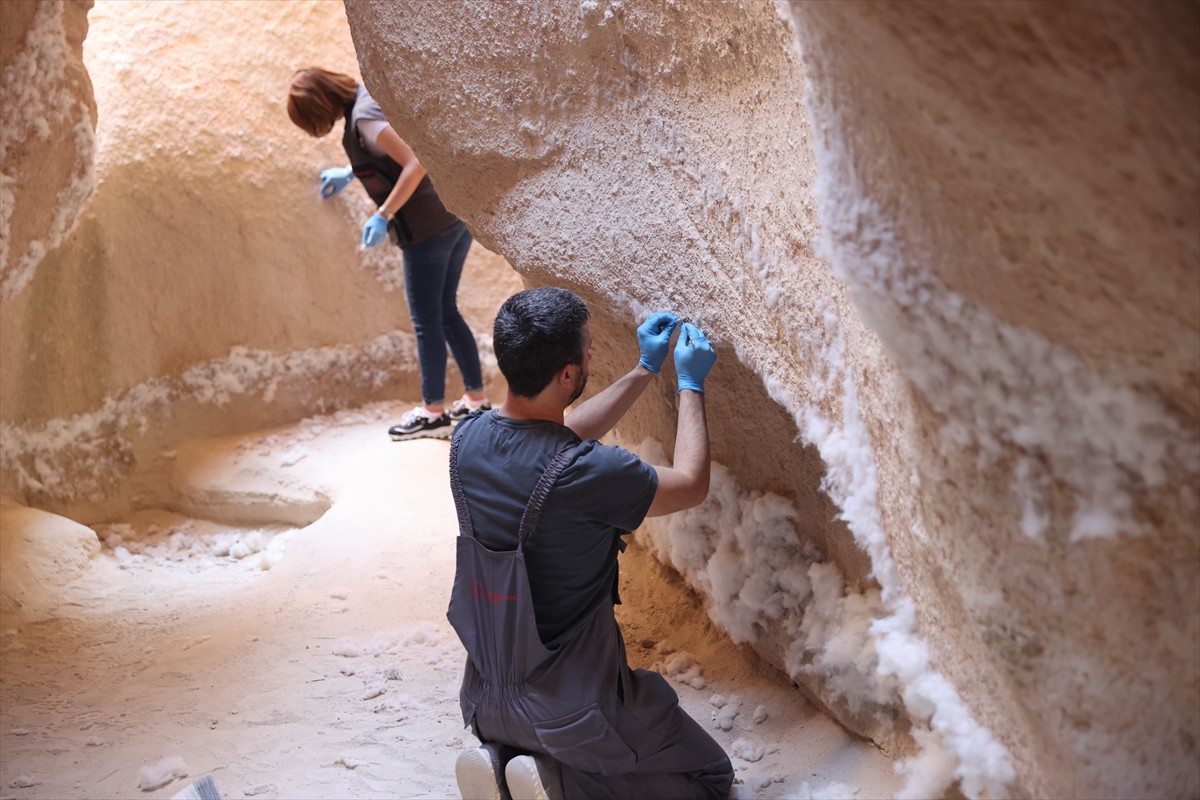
(571, 558)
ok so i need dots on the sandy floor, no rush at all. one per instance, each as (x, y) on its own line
(319, 663)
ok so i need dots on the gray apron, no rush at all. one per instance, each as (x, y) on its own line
(615, 732)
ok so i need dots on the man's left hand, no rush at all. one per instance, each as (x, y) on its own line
(654, 339)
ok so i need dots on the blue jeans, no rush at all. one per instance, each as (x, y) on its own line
(432, 269)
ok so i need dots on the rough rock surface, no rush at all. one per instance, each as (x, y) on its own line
(43, 552)
(985, 350)
(1022, 232)
(47, 123)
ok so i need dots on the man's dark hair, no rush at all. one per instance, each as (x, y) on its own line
(537, 333)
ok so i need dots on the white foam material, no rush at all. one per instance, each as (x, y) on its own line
(94, 443)
(155, 776)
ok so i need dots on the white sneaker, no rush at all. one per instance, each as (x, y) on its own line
(534, 778)
(419, 424)
(465, 406)
(480, 774)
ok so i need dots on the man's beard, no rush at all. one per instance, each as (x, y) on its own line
(581, 382)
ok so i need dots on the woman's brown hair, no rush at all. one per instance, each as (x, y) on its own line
(317, 99)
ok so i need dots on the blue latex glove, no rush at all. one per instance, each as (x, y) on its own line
(654, 339)
(694, 357)
(333, 180)
(375, 231)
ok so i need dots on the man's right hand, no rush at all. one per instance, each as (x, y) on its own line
(334, 179)
(694, 357)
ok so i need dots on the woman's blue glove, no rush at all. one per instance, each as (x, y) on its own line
(334, 179)
(694, 357)
(654, 339)
(375, 231)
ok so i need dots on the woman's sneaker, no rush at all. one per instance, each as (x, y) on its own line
(420, 424)
(464, 407)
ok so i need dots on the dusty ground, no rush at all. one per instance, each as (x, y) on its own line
(319, 663)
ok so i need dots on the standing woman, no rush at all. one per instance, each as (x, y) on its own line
(434, 241)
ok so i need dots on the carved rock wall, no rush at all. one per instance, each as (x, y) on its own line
(205, 287)
(949, 260)
(1021, 229)
(947, 255)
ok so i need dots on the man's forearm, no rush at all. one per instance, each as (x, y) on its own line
(598, 414)
(691, 443)
(684, 484)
